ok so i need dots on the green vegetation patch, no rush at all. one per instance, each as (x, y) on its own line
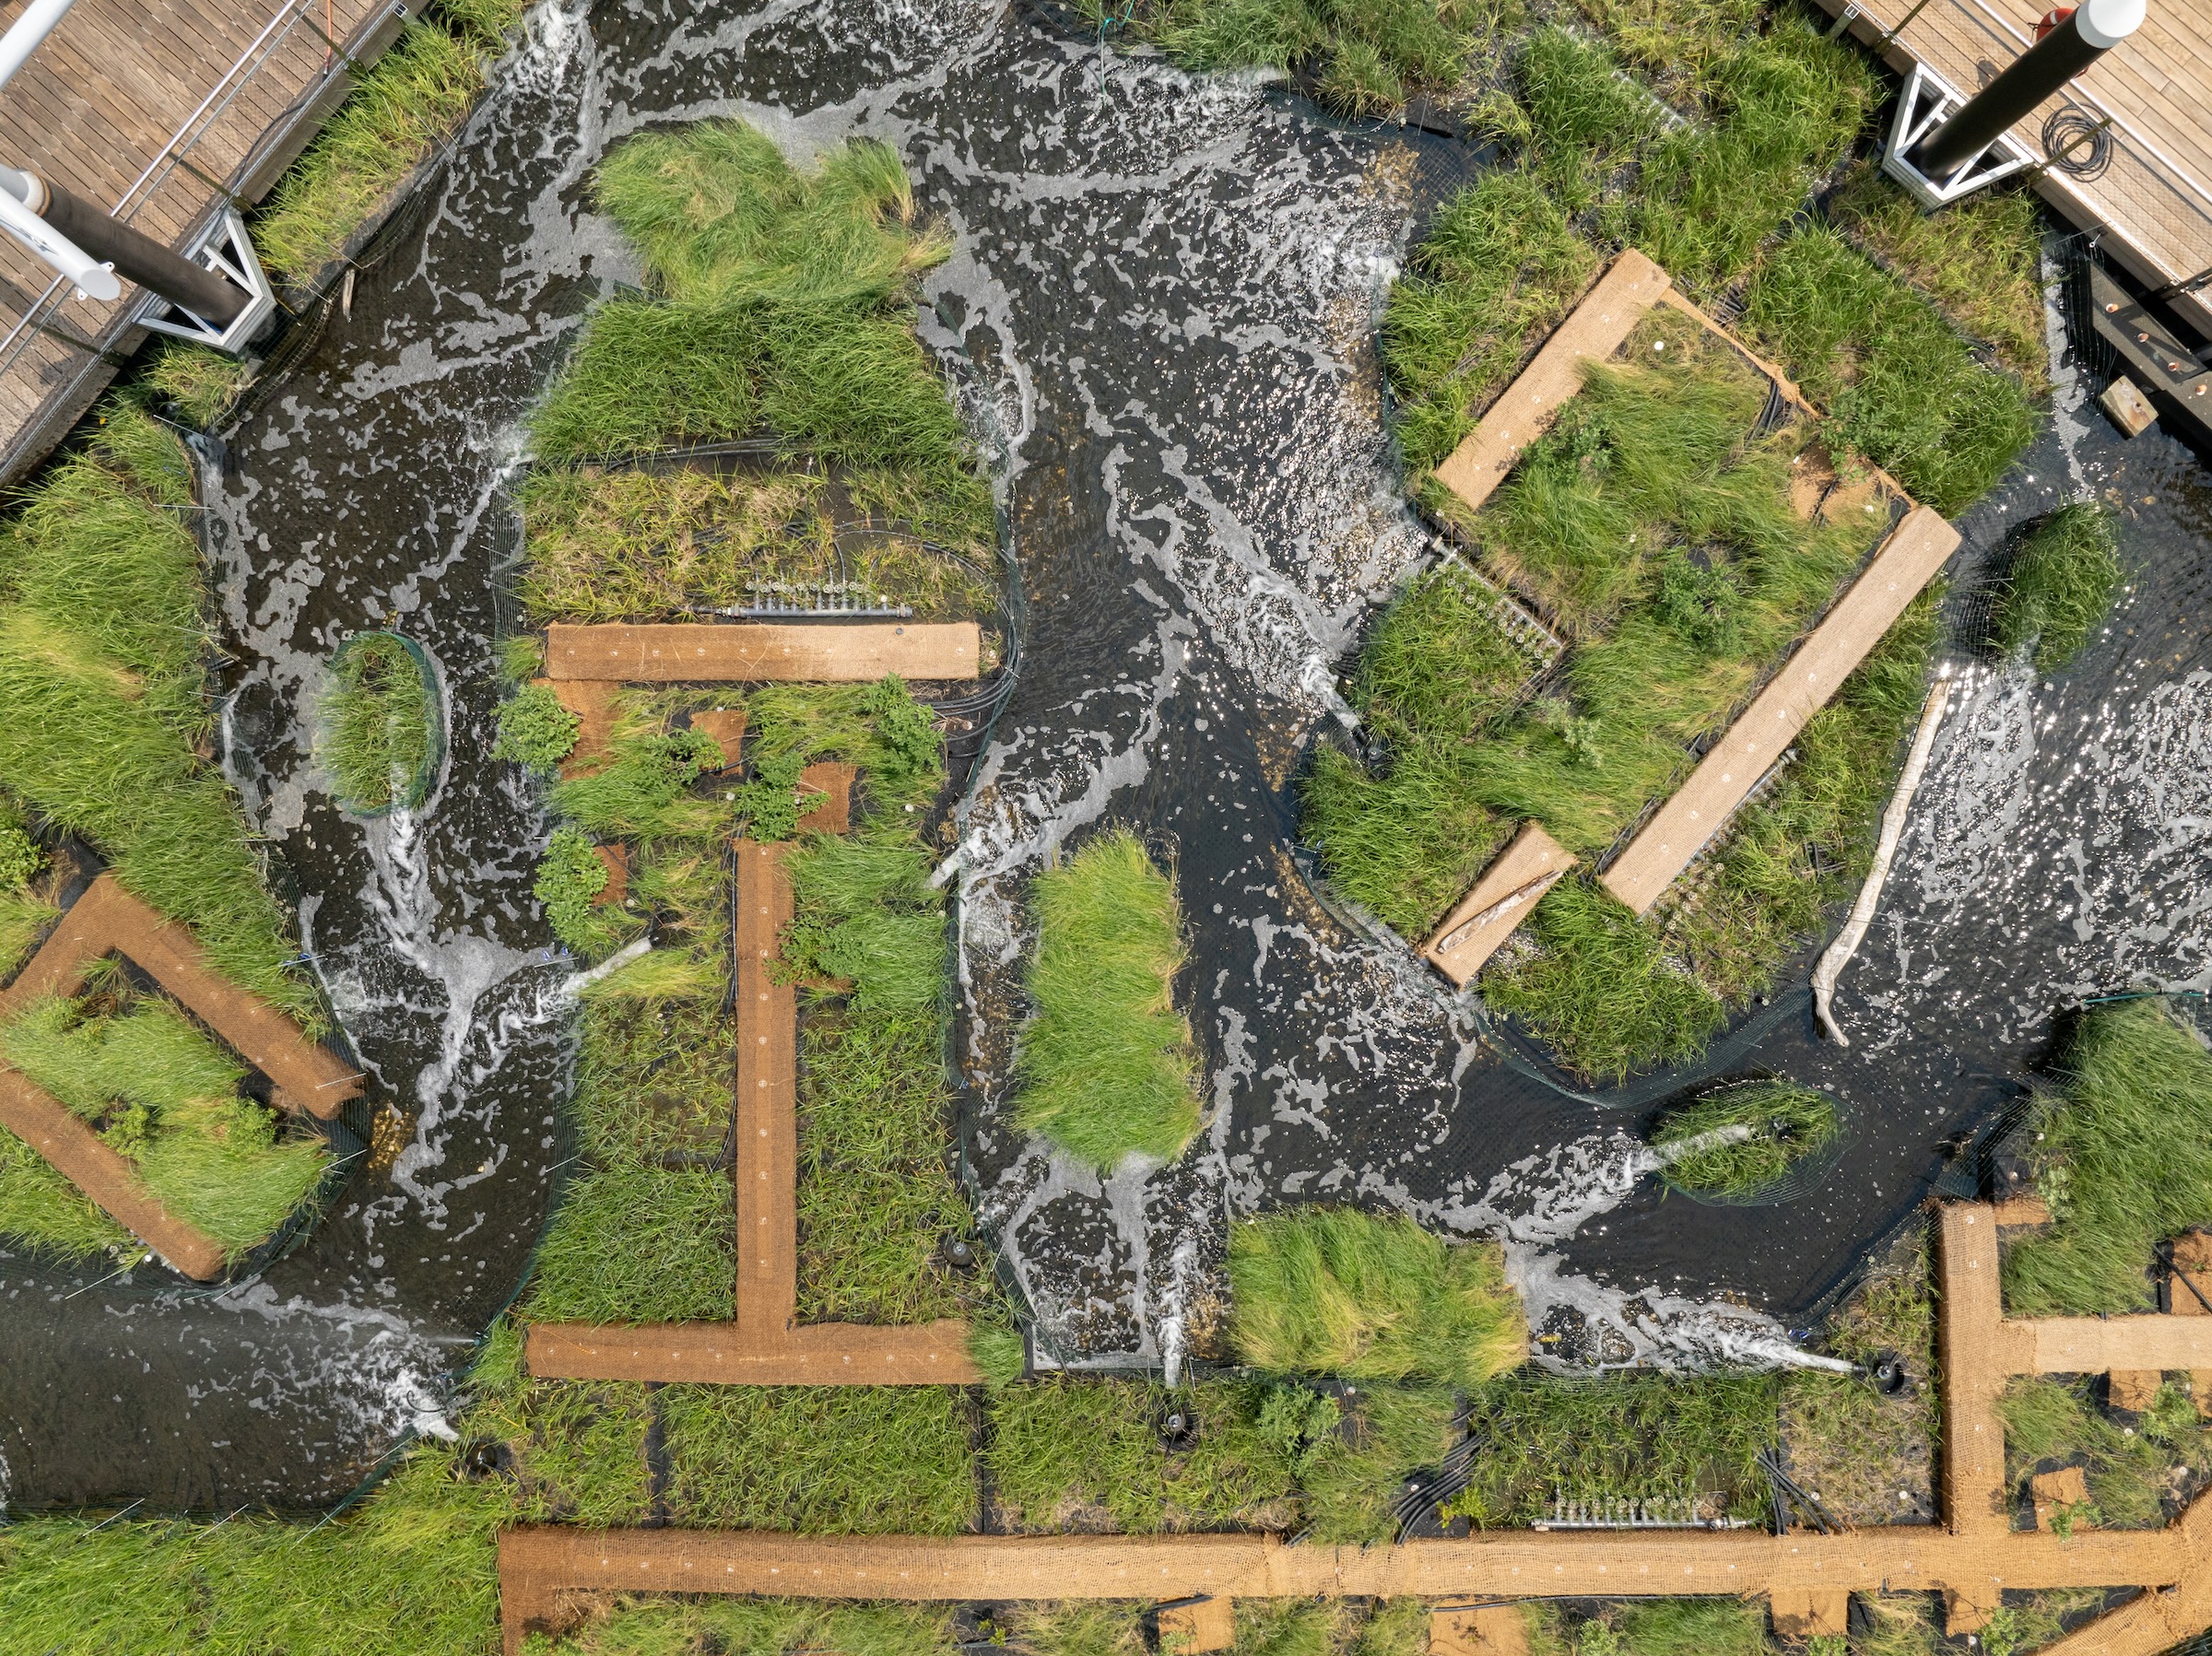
(639, 1625)
(197, 384)
(1628, 1436)
(1980, 259)
(1743, 1140)
(2139, 1474)
(2060, 586)
(783, 303)
(1086, 1453)
(164, 1095)
(405, 105)
(104, 642)
(1337, 1291)
(2124, 1159)
(821, 1460)
(1899, 383)
(380, 730)
(1105, 1068)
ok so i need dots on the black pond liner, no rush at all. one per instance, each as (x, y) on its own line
(1803, 1176)
(425, 777)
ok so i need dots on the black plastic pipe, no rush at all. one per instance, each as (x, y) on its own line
(141, 259)
(2094, 28)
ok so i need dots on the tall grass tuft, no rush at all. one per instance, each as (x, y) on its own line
(406, 103)
(783, 304)
(1105, 1066)
(104, 644)
(2059, 587)
(1744, 1140)
(378, 724)
(2125, 1161)
(1339, 1292)
(1902, 386)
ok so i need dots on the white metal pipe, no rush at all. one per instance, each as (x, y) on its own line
(24, 37)
(94, 280)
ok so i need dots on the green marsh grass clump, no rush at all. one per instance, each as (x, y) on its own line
(1105, 1068)
(1088, 1453)
(650, 1625)
(1600, 989)
(781, 303)
(1628, 1435)
(1500, 267)
(165, 1097)
(1744, 1140)
(1440, 670)
(1899, 383)
(104, 642)
(1364, 59)
(1980, 259)
(2060, 586)
(405, 105)
(2124, 1160)
(825, 1460)
(198, 384)
(2049, 1423)
(379, 725)
(1339, 1292)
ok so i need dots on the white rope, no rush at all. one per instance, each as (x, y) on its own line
(1846, 945)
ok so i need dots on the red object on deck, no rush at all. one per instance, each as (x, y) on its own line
(2052, 19)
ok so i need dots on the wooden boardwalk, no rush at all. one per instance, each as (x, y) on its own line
(1973, 1558)
(2156, 198)
(159, 110)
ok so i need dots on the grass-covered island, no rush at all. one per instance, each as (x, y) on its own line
(380, 730)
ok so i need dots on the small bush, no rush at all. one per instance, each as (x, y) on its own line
(570, 878)
(2060, 586)
(1339, 1292)
(20, 858)
(1105, 1066)
(536, 731)
(1742, 1140)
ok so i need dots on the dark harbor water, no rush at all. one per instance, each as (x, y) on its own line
(1162, 306)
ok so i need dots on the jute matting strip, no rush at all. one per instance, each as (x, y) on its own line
(764, 651)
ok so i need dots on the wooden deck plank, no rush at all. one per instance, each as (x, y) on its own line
(1506, 895)
(767, 1166)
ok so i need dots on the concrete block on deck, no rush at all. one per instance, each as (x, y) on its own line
(2127, 407)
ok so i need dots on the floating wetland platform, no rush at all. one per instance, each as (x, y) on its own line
(1973, 1559)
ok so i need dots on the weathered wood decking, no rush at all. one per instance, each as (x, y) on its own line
(159, 112)
(2156, 199)
(107, 919)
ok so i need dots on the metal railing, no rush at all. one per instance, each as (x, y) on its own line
(2144, 194)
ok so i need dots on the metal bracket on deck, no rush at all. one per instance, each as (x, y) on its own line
(1927, 102)
(225, 249)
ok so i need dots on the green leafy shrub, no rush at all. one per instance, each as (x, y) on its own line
(1105, 1066)
(20, 858)
(536, 731)
(1339, 1292)
(571, 876)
